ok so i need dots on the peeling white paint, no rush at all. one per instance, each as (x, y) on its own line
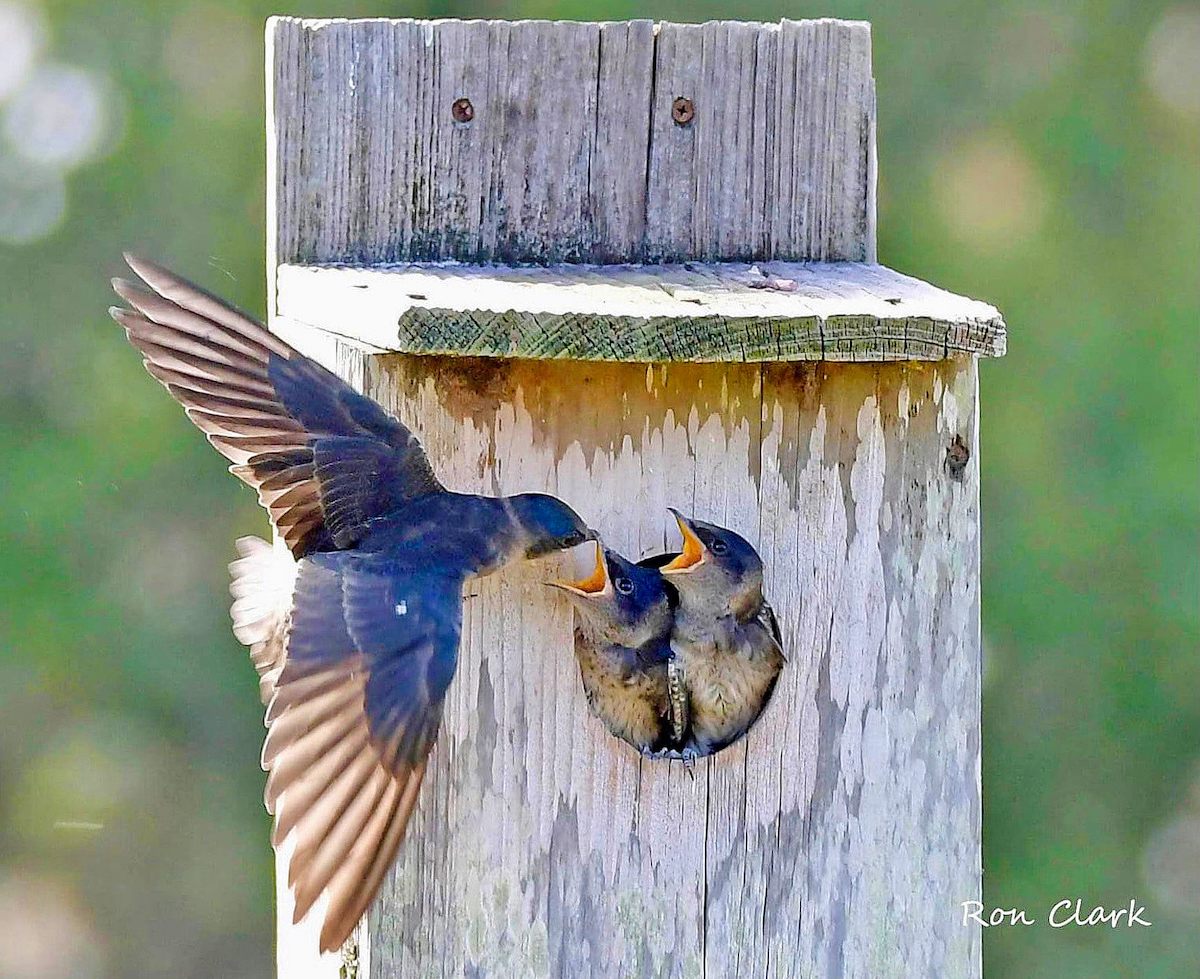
(832, 841)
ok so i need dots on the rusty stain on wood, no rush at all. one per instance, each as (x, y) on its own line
(546, 848)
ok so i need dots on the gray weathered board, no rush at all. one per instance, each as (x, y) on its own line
(841, 836)
(572, 153)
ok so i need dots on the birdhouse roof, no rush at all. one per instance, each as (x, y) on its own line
(771, 311)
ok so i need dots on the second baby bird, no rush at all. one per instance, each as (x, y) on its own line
(725, 639)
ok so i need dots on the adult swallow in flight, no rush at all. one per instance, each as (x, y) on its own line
(356, 662)
(725, 637)
(623, 646)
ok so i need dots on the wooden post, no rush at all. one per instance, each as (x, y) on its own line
(773, 380)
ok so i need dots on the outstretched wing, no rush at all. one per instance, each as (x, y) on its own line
(371, 651)
(323, 458)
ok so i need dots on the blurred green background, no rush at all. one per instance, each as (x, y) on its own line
(1044, 157)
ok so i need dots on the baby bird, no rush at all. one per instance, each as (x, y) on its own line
(622, 643)
(725, 638)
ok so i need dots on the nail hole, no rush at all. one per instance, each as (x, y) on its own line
(462, 110)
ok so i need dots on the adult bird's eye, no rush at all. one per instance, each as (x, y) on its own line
(718, 547)
(624, 586)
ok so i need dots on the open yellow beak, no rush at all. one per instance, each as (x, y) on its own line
(593, 584)
(693, 550)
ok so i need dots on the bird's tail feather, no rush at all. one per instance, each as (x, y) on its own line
(261, 582)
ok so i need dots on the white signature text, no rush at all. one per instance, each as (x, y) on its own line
(1070, 912)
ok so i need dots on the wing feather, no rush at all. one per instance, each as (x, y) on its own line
(273, 412)
(358, 881)
(770, 624)
(261, 583)
(355, 713)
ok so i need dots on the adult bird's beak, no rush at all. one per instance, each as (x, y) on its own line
(693, 553)
(595, 584)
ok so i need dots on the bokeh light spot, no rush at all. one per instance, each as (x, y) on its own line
(1032, 47)
(33, 202)
(58, 117)
(1171, 865)
(44, 931)
(1171, 60)
(211, 55)
(22, 34)
(92, 773)
(1171, 857)
(988, 193)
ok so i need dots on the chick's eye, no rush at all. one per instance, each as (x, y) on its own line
(624, 586)
(718, 547)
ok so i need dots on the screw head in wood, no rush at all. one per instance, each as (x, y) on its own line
(462, 110)
(682, 111)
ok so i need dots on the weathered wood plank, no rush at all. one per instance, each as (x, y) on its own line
(778, 160)
(838, 839)
(571, 151)
(826, 139)
(774, 311)
(375, 164)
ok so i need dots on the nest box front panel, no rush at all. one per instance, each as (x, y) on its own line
(858, 484)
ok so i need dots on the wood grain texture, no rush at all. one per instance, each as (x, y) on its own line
(779, 160)
(839, 838)
(572, 153)
(773, 311)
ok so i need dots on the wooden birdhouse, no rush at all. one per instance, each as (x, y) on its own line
(633, 265)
